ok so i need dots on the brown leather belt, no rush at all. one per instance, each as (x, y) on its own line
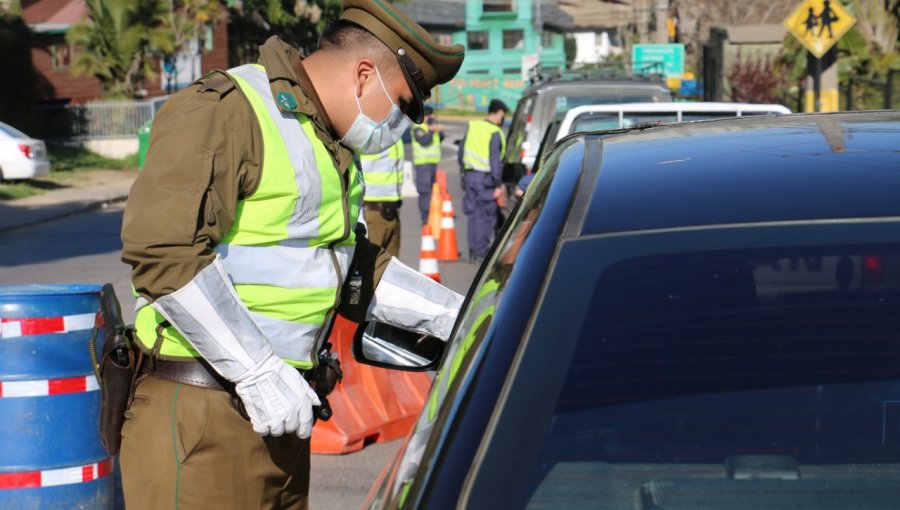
(194, 373)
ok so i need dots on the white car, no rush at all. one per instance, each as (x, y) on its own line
(21, 157)
(617, 116)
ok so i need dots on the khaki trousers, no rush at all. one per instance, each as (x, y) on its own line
(185, 447)
(384, 233)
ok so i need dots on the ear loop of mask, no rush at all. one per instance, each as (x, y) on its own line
(380, 81)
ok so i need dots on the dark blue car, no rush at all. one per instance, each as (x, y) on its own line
(704, 315)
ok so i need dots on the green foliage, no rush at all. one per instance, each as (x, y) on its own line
(117, 41)
(65, 159)
(18, 88)
(297, 22)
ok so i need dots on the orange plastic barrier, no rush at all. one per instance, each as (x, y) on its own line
(370, 404)
(428, 264)
(434, 211)
(440, 177)
(447, 247)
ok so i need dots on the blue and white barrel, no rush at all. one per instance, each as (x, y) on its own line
(50, 451)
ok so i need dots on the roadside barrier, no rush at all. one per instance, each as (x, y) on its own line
(370, 404)
(50, 400)
(428, 264)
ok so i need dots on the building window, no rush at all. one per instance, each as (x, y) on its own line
(478, 40)
(499, 5)
(513, 39)
(444, 38)
(479, 71)
(513, 70)
(549, 39)
(61, 54)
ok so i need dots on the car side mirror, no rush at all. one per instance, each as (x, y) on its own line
(382, 345)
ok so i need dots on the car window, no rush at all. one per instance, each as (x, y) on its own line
(475, 320)
(733, 379)
(688, 116)
(11, 131)
(517, 130)
(564, 103)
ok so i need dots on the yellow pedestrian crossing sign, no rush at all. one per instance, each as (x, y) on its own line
(819, 24)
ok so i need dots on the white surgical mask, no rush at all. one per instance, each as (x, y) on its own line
(369, 137)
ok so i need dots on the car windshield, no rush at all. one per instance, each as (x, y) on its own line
(11, 131)
(766, 378)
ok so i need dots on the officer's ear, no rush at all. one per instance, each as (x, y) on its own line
(364, 71)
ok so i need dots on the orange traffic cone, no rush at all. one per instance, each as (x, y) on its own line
(447, 248)
(428, 264)
(441, 178)
(434, 211)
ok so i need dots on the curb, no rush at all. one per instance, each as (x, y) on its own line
(76, 208)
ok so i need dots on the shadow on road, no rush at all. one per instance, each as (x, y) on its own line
(76, 236)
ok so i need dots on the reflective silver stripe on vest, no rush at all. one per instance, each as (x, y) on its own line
(475, 162)
(304, 222)
(381, 165)
(290, 340)
(283, 266)
(382, 190)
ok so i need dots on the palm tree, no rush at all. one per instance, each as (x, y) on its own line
(116, 41)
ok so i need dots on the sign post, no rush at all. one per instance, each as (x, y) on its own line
(818, 25)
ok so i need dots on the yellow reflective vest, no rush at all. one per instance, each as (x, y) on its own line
(292, 241)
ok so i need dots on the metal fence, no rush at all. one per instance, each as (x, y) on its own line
(866, 94)
(102, 119)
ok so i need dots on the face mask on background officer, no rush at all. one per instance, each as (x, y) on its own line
(367, 99)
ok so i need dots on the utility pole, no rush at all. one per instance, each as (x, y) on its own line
(538, 26)
(661, 9)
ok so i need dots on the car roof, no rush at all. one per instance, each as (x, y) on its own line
(635, 83)
(743, 170)
(666, 107)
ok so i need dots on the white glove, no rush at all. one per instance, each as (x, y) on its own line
(277, 398)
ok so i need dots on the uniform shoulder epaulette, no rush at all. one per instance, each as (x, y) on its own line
(216, 81)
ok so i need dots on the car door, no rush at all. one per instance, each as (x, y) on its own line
(433, 463)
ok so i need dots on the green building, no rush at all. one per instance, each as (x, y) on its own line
(502, 42)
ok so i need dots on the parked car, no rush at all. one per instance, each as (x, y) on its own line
(696, 315)
(599, 117)
(546, 100)
(21, 157)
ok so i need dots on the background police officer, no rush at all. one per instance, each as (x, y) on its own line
(383, 173)
(480, 159)
(426, 147)
(243, 235)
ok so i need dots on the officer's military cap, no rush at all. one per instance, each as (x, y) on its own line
(425, 63)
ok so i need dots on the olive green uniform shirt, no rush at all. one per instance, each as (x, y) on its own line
(205, 155)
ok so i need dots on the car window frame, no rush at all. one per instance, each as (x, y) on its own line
(494, 466)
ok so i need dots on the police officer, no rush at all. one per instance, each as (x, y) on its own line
(480, 159)
(426, 146)
(244, 237)
(383, 173)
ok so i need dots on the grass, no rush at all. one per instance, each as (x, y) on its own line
(64, 158)
(65, 165)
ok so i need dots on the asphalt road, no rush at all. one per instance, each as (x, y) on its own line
(86, 248)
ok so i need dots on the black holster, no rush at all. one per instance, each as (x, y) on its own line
(118, 371)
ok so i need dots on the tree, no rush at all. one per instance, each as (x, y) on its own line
(298, 22)
(117, 40)
(695, 17)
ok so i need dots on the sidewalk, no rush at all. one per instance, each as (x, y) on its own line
(98, 187)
